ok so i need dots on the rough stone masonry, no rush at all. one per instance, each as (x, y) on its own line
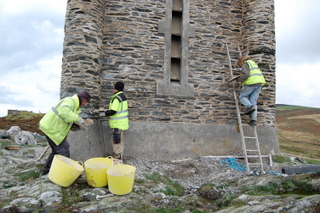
(170, 54)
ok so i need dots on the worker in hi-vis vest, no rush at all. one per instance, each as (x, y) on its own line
(118, 119)
(57, 123)
(252, 82)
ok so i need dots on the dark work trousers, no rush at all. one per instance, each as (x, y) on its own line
(61, 149)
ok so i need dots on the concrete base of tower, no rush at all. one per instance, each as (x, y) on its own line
(166, 141)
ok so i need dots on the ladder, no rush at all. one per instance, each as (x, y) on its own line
(249, 136)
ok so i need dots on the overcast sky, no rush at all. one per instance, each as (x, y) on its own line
(31, 42)
(32, 35)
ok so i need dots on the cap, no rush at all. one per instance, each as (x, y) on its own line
(84, 95)
(119, 86)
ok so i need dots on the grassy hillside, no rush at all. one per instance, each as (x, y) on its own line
(299, 130)
(27, 121)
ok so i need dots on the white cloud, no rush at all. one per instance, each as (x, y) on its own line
(297, 31)
(28, 39)
(32, 87)
(297, 53)
(298, 84)
(15, 7)
(31, 42)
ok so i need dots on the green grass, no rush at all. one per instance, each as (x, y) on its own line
(70, 195)
(163, 210)
(173, 187)
(28, 175)
(24, 115)
(280, 159)
(311, 161)
(290, 107)
(7, 184)
(285, 188)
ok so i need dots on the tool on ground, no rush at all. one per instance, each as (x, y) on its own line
(99, 197)
(44, 151)
(12, 147)
(249, 137)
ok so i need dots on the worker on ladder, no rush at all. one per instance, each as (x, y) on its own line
(252, 82)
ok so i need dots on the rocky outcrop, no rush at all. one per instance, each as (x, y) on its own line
(185, 185)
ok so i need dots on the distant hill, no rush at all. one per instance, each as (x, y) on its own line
(285, 106)
(26, 120)
(298, 130)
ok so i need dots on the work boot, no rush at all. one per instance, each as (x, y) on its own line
(117, 156)
(249, 110)
(44, 172)
(117, 159)
(253, 123)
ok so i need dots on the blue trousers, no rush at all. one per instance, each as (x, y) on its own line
(248, 97)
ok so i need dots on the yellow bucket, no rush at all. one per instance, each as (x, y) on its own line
(64, 171)
(121, 178)
(96, 171)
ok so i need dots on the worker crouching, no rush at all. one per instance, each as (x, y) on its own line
(57, 123)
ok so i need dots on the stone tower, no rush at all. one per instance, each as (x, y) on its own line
(170, 54)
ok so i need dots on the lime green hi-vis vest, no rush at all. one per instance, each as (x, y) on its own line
(255, 75)
(56, 123)
(119, 103)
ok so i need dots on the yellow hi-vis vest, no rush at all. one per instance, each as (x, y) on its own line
(56, 123)
(119, 103)
(255, 75)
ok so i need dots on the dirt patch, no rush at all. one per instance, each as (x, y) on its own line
(25, 120)
(315, 117)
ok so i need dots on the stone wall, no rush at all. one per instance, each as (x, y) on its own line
(83, 44)
(134, 41)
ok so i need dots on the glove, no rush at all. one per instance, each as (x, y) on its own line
(80, 121)
(75, 127)
(101, 111)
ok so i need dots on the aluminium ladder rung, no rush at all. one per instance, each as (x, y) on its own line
(250, 137)
(252, 150)
(245, 124)
(252, 156)
(254, 164)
